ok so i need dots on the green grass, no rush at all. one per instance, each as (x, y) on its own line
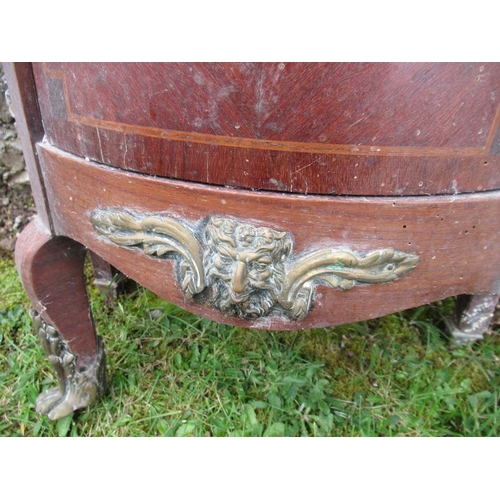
(175, 374)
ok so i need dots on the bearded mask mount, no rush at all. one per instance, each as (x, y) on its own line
(245, 270)
(245, 266)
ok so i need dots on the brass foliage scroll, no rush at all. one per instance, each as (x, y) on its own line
(249, 270)
(157, 236)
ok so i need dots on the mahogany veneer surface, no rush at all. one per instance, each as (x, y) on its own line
(456, 237)
(324, 128)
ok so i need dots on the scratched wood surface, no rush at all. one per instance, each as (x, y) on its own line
(456, 237)
(348, 128)
(29, 126)
(51, 270)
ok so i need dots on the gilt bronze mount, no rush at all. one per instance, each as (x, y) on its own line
(245, 270)
(77, 388)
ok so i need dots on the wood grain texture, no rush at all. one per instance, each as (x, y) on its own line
(29, 125)
(51, 270)
(456, 237)
(349, 128)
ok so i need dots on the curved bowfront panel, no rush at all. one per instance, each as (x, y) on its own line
(276, 261)
(375, 129)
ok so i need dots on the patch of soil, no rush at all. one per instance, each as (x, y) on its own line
(16, 210)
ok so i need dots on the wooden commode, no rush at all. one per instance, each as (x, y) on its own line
(278, 196)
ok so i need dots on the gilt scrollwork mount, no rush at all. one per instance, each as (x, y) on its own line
(246, 270)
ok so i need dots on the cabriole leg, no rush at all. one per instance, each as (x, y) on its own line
(51, 270)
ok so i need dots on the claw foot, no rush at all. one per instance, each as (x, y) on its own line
(473, 316)
(77, 387)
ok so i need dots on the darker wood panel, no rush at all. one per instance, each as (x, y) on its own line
(380, 104)
(282, 170)
(266, 166)
(216, 98)
(456, 237)
(403, 104)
